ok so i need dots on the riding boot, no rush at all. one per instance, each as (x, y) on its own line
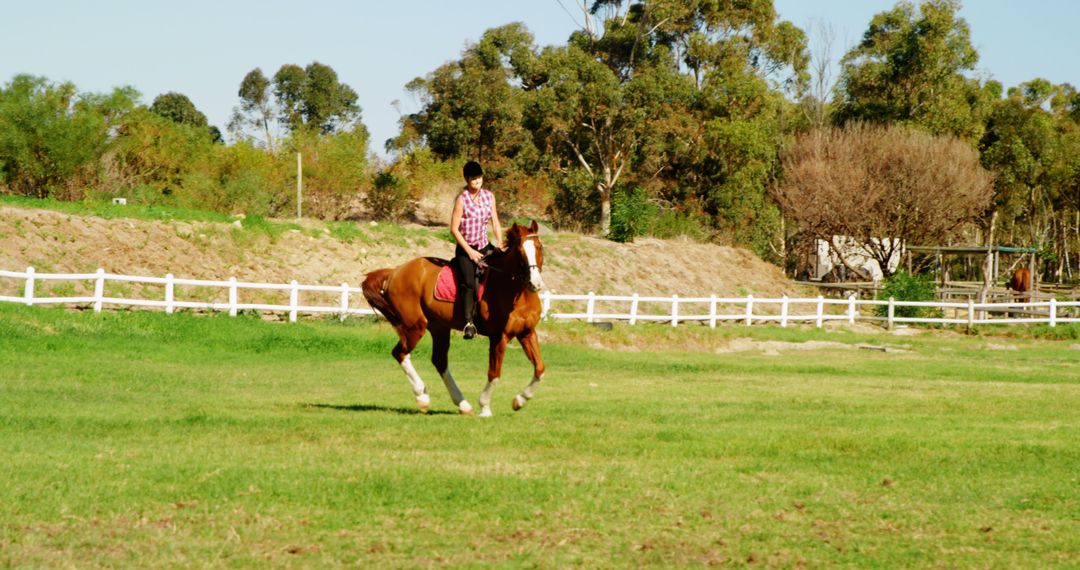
(469, 301)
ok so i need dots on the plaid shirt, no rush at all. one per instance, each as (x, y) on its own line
(475, 217)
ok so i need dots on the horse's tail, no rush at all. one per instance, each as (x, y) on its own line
(375, 285)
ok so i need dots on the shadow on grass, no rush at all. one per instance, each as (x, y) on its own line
(375, 408)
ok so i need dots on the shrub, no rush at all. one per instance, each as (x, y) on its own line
(903, 286)
(631, 214)
(389, 197)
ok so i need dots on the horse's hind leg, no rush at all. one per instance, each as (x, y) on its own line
(440, 343)
(410, 337)
(531, 344)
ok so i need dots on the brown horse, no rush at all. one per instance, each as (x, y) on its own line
(1021, 282)
(509, 308)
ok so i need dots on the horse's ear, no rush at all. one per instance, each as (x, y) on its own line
(534, 227)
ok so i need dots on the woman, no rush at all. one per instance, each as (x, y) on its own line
(474, 210)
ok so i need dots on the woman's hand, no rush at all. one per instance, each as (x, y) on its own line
(475, 256)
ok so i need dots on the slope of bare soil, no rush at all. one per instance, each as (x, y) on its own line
(64, 243)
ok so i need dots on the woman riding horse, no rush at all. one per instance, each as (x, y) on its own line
(509, 308)
(474, 210)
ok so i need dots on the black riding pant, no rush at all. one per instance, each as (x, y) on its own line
(467, 267)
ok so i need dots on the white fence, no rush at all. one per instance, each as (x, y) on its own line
(705, 310)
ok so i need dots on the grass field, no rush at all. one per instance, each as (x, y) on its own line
(146, 440)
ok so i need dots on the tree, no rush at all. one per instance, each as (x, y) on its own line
(179, 109)
(256, 107)
(52, 138)
(312, 98)
(885, 187)
(909, 69)
(472, 107)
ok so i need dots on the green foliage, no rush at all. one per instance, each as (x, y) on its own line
(52, 139)
(575, 204)
(309, 98)
(909, 68)
(903, 286)
(631, 214)
(389, 197)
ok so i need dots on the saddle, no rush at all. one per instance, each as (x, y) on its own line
(446, 285)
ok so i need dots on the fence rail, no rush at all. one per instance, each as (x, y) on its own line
(709, 310)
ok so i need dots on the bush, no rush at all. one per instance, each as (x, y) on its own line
(903, 286)
(631, 214)
(389, 197)
(576, 204)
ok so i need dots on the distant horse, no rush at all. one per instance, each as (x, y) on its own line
(1021, 282)
(509, 308)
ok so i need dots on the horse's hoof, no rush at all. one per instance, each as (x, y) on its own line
(465, 408)
(485, 412)
(423, 401)
(518, 402)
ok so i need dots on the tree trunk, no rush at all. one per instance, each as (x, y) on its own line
(605, 211)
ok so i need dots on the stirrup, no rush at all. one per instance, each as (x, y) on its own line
(469, 330)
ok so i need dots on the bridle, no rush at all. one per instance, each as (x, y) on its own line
(525, 271)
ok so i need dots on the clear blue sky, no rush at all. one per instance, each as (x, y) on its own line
(203, 48)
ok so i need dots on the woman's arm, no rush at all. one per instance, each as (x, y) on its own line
(496, 226)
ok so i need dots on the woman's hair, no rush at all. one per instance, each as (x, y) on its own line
(472, 170)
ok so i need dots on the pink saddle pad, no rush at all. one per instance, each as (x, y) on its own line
(446, 285)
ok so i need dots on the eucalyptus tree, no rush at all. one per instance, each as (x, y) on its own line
(178, 108)
(471, 107)
(313, 99)
(256, 108)
(910, 68)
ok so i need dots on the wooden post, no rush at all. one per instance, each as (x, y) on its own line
(749, 310)
(892, 312)
(28, 287)
(851, 309)
(674, 310)
(712, 311)
(783, 311)
(299, 187)
(294, 300)
(589, 306)
(99, 290)
(169, 294)
(820, 311)
(633, 309)
(344, 301)
(232, 296)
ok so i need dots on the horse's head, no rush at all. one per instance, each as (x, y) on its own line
(526, 244)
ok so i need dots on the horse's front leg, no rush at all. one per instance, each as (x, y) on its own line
(531, 344)
(495, 358)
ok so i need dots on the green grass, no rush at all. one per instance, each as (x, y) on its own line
(111, 211)
(147, 440)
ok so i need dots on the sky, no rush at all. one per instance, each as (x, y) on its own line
(203, 48)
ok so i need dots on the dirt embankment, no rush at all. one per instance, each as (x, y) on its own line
(65, 243)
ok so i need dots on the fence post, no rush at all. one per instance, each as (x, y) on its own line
(783, 311)
(589, 305)
(28, 287)
(344, 301)
(294, 300)
(633, 309)
(749, 310)
(546, 298)
(820, 311)
(851, 309)
(169, 294)
(1053, 312)
(712, 311)
(971, 313)
(99, 290)
(674, 310)
(232, 296)
(892, 313)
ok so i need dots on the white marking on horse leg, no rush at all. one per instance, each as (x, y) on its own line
(521, 399)
(422, 398)
(535, 279)
(464, 407)
(485, 398)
